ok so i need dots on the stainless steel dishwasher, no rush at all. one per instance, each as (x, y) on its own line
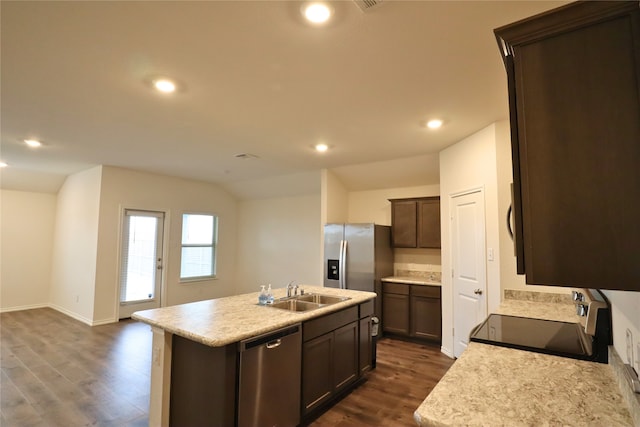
(269, 379)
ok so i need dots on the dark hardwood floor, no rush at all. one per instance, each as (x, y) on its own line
(405, 374)
(56, 371)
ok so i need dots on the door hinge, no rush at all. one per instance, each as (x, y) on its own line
(453, 332)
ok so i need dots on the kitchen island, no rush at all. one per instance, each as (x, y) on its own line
(491, 385)
(215, 327)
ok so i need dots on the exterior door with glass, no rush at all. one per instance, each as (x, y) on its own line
(141, 261)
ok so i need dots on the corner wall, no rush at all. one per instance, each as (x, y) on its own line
(26, 245)
(124, 188)
(73, 275)
(469, 164)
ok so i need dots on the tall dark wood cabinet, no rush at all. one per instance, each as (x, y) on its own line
(574, 99)
(415, 222)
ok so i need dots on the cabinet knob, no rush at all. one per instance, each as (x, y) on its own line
(478, 291)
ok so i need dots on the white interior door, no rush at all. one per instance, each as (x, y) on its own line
(469, 266)
(141, 262)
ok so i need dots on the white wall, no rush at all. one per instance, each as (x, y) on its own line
(374, 206)
(625, 315)
(75, 245)
(279, 241)
(469, 164)
(123, 188)
(334, 199)
(26, 244)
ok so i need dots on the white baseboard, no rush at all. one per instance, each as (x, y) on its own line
(23, 307)
(447, 352)
(72, 314)
(61, 310)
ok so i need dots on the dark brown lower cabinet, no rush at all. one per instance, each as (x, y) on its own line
(395, 308)
(412, 311)
(426, 313)
(336, 349)
(317, 371)
(365, 345)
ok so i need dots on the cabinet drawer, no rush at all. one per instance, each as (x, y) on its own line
(395, 288)
(366, 309)
(425, 291)
(316, 327)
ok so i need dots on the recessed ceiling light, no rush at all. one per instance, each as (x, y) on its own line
(434, 124)
(164, 85)
(3, 165)
(317, 13)
(321, 148)
(33, 143)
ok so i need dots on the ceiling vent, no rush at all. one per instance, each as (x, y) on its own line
(368, 5)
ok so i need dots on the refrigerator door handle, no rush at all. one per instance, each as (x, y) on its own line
(343, 264)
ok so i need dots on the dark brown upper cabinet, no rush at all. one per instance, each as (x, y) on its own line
(415, 222)
(574, 100)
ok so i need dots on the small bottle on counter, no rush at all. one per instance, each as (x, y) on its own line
(263, 298)
(270, 297)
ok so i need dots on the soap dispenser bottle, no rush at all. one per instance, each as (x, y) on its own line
(262, 298)
(270, 297)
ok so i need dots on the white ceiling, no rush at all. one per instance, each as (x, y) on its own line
(254, 78)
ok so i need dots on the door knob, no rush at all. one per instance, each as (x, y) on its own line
(478, 291)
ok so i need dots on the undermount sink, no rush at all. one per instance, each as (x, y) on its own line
(295, 305)
(321, 299)
(307, 302)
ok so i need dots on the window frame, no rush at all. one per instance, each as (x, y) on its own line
(213, 246)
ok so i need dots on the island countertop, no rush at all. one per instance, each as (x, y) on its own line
(223, 321)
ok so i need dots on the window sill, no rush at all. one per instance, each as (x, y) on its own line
(197, 279)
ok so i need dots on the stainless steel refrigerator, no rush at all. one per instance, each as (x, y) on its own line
(357, 256)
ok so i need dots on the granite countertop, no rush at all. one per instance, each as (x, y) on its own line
(412, 280)
(223, 321)
(491, 385)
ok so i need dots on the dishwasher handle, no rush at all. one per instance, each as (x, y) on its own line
(274, 343)
(271, 339)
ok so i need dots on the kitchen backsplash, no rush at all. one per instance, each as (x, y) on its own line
(428, 271)
(537, 296)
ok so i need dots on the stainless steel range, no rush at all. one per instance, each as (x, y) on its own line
(587, 340)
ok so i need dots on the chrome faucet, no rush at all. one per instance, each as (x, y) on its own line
(291, 287)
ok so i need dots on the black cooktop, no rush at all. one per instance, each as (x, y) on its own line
(541, 336)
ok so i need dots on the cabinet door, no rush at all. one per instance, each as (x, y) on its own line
(365, 345)
(345, 354)
(429, 223)
(404, 216)
(317, 371)
(395, 313)
(577, 143)
(426, 318)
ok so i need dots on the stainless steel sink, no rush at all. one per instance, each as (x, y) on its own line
(295, 305)
(321, 299)
(307, 302)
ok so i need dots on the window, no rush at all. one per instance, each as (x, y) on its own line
(199, 239)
